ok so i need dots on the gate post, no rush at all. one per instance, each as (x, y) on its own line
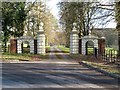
(13, 46)
(19, 48)
(35, 46)
(101, 43)
(74, 42)
(41, 41)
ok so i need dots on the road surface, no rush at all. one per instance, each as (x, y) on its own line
(54, 73)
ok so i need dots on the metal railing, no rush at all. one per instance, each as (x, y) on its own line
(110, 56)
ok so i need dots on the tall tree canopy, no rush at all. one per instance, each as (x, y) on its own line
(85, 14)
(21, 17)
(117, 10)
(13, 17)
(40, 13)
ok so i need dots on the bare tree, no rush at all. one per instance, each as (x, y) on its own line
(117, 10)
(86, 15)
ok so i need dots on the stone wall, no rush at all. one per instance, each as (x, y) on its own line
(21, 40)
(86, 39)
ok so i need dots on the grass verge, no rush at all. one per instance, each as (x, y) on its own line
(64, 49)
(47, 48)
(110, 68)
(23, 57)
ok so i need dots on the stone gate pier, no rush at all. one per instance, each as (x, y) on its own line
(41, 41)
(80, 45)
(37, 45)
(74, 40)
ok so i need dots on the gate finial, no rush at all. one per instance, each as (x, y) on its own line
(74, 27)
(41, 26)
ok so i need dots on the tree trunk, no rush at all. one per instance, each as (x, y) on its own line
(118, 28)
(119, 43)
(5, 39)
(117, 11)
(5, 46)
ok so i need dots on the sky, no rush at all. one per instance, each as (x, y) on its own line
(53, 7)
(54, 10)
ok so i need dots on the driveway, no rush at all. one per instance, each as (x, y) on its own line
(54, 73)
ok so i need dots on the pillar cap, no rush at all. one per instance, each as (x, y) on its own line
(102, 37)
(90, 37)
(40, 32)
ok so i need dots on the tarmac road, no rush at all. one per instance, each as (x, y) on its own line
(54, 73)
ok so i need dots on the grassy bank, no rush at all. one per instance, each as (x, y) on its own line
(47, 48)
(10, 56)
(64, 49)
(111, 68)
(23, 57)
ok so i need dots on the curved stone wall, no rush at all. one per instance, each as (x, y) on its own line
(21, 40)
(85, 40)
